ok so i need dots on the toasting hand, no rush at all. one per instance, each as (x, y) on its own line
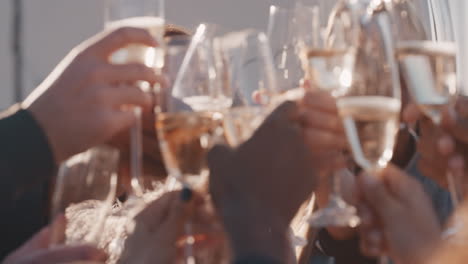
(79, 105)
(259, 187)
(445, 148)
(407, 224)
(158, 236)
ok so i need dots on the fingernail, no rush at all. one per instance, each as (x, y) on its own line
(186, 194)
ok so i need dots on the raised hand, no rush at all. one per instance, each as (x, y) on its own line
(79, 105)
(441, 148)
(397, 217)
(259, 187)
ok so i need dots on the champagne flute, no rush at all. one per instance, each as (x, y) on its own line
(147, 14)
(429, 67)
(189, 117)
(189, 113)
(370, 106)
(432, 55)
(86, 178)
(282, 36)
(328, 60)
(176, 48)
(251, 75)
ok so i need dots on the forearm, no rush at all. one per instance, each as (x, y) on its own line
(25, 155)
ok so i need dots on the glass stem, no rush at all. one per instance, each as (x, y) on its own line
(454, 195)
(189, 242)
(136, 153)
(336, 181)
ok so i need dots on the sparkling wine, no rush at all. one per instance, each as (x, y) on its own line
(241, 122)
(134, 53)
(208, 103)
(185, 139)
(371, 124)
(329, 69)
(429, 69)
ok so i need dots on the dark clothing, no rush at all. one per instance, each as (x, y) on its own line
(346, 251)
(26, 166)
(256, 260)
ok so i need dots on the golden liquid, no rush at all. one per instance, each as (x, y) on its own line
(185, 139)
(429, 71)
(371, 124)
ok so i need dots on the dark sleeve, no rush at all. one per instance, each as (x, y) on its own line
(26, 167)
(25, 156)
(344, 252)
(256, 260)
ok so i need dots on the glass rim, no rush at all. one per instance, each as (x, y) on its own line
(110, 5)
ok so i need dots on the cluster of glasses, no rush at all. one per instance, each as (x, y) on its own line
(220, 88)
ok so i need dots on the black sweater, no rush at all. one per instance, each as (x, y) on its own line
(26, 167)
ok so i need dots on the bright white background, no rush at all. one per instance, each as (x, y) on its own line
(52, 27)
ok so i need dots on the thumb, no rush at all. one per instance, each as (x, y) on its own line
(376, 195)
(399, 184)
(454, 120)
(172, 228)
(156, 212)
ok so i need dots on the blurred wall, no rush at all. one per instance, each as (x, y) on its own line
(6, 90)
(52, 27)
